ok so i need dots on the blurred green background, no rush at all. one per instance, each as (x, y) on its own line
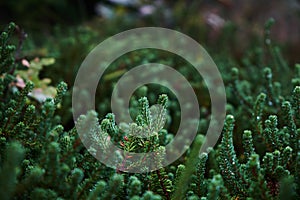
(202, 19)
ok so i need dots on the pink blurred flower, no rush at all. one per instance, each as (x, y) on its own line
(19, 82)
(39, 95)
(214, 20)
(25, 63)
(147, 10)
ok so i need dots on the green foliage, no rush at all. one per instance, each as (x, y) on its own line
(10, 169)
(7, 60)
(257, 157)
(184, 178)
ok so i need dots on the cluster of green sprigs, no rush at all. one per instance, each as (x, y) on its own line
(253, 173)
(7, 59)
(271, 145)
(144, 134)
(257, 178)
(29, 135)
(38, 159)
(263, 161)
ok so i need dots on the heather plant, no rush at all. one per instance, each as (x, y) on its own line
(257, 156)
